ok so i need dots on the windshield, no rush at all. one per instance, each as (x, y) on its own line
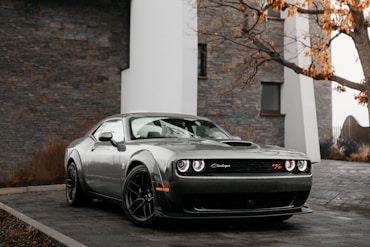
(169, 127)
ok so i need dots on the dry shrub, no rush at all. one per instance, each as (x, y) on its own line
(46, 167)
(350, 150)
(336, 153)
(326, 147)
(362, 155)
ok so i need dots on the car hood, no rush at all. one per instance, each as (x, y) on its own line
(223, 149)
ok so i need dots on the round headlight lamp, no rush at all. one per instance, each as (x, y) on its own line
(302, 165)
(198, 165)
(289, 165)
(183, 165)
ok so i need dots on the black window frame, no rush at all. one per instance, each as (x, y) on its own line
(202, 60)
(270, 111)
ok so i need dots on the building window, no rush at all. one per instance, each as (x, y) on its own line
(270, 98)
(202, 60)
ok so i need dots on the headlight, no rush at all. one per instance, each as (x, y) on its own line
(302, 165)
(289, 165)
(183, 165)
(198, 165)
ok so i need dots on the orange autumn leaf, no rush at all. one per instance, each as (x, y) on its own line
(262, 15)
(340, 89)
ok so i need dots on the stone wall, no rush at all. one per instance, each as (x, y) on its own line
(60, 65)
(323, 97)
(238, 109)
(222, 95)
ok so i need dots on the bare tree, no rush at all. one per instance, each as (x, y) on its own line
(332, 19)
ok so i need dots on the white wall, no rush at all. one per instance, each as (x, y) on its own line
(163, 69)
(163, 57)
(298, 98)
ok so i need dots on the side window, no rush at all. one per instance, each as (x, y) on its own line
(270, 98)
(113, 126)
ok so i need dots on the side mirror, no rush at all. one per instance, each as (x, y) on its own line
(105, 137)
(108, 137)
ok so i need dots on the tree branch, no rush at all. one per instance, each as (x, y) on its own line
(274, 56)
(340, 80)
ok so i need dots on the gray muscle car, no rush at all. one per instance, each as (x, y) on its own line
(184, 167)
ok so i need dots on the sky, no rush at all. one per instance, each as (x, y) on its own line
(346, 64)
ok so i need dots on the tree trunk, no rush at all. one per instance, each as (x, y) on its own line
(361, 40)
(368, 110)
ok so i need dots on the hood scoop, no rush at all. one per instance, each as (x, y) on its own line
(238, 143)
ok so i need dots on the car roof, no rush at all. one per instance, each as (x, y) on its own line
(153, 114)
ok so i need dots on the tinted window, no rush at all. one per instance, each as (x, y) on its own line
(172, 127)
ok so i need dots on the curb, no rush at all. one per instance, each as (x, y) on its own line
(18, 190)
(51, 233)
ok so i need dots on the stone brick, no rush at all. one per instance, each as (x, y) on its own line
(60, 64)
(224, 97)
(60, 71)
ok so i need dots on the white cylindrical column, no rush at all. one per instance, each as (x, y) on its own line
(162, 75)
(298, 97)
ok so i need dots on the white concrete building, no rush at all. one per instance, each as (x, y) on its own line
(163, 69)
(163, 57)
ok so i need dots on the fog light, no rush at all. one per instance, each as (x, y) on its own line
(289, 165)
(183, 165)
(198, 165)
(302, 165)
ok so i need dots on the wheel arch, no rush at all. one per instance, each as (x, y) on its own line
(132, 165)
(146, 158)
(76, 159)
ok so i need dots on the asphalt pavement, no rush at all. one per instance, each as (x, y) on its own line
(340, 199)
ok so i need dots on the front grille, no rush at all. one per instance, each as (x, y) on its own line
(243, 166)
(239, 202)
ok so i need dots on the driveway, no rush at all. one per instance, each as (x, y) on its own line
(340, 199)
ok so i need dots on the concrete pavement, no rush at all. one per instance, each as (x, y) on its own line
(340, 198)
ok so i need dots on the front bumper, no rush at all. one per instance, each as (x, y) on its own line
(234, 197)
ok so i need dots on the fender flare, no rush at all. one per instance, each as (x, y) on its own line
(75, 157)
(146, 158)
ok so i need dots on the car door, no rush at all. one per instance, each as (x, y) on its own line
(104, 160)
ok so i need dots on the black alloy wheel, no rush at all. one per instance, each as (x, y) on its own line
(74, 193)
(138, 197)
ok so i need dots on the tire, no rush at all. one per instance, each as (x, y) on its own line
(138, 197)
(74, 194)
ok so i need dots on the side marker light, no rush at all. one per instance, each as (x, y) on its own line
(164, 189)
